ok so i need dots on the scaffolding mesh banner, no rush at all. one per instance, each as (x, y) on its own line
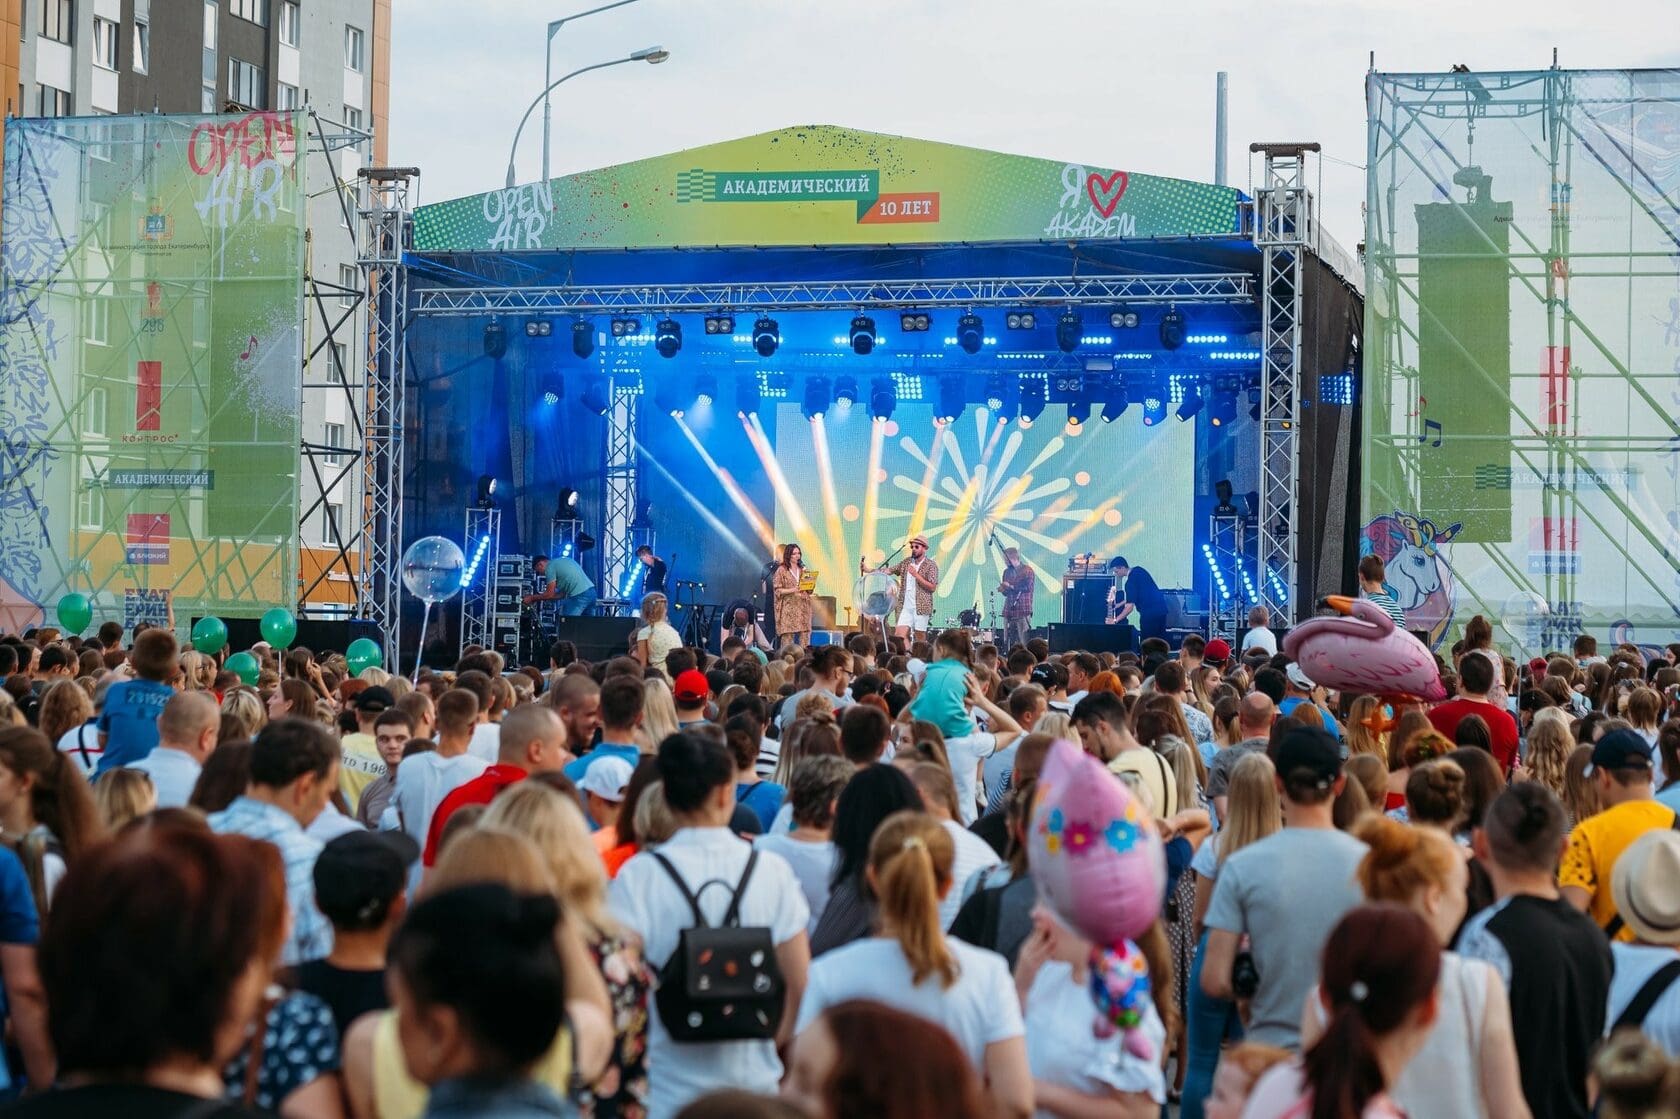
(151, 313)
(1522, 365)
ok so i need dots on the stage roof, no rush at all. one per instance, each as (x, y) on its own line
(823, 185)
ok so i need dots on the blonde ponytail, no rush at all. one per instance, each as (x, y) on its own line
(910, 862)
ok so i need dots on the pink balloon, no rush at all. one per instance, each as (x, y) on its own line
(1093, 850)
(1364, 651)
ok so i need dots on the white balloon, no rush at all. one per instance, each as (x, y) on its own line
(431, 569)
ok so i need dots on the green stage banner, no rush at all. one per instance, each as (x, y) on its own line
(151, 276)
(823, 185)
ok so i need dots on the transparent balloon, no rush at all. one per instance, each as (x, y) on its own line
(431, 569)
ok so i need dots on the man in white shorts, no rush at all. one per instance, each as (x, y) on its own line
(918, 578)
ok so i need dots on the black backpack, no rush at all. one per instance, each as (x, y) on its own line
(723, 982)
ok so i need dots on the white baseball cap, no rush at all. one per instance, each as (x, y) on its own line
(1299, 678)
(606, 778)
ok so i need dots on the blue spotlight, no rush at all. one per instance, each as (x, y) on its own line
(470, 572)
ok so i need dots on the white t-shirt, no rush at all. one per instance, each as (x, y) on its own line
(486, 744)
(972, 854)
(812, 863)
(645, 900)
(423, 780)
(978, 1009)
(82, 744)
(967, 752)
(1259, 638)
(1063, 1049)
(173, 773)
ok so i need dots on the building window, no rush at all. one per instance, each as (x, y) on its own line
(353, 122)
(349, 279)
(207, 73)
(96, 325)
(105, 43)
(58, 20)
(254, 10)
(335, 440)
(94, 411)
(332, 515)
(90, 502)
(247, 84)
(339, 373)
(288, 23)
(142, 46)
(353, 48)
(53, 102)
(286, 96)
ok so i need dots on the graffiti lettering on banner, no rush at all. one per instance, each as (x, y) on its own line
(248, 161)
(152, 607)
(1090, 205)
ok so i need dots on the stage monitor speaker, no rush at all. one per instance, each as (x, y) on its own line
(1066, 637)
(1085, 598)
(316, 635)
(597, 639)
(827, 637)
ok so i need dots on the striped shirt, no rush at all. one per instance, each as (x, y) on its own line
(1385, 602)
(312, 936)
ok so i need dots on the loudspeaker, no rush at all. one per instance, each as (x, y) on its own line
(316, 635)
(1065, 638)
(1085, 598)
(827, 637)
(597, 639)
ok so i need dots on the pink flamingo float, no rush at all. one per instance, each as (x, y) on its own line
(1360, 649)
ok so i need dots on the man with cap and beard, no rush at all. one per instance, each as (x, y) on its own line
(918, 578)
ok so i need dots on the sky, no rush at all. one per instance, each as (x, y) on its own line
(1102, 82)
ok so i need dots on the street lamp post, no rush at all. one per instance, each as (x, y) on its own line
(548, 65)
(650, 55)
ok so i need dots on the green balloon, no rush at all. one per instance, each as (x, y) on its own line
(245, 666)
(209, 635)
(364, 652)
(75, 612)
(279, 628)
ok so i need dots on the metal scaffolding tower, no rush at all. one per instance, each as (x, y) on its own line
(387, 232)
(617, 551)
(1283, 233)
(478, 600)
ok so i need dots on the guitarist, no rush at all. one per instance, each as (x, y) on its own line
(1017, 591)
(1136, 599)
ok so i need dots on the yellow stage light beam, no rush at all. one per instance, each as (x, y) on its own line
(831, 507)
(803, 534)
(872, 487)
(723, 531)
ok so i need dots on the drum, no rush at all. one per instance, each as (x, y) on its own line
(874, 594)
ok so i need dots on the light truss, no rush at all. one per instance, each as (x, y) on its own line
(1201, 287)
(616, 551)
(1283, 231)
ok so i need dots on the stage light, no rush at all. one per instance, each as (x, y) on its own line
(1154, 406)
(845, 391)
(1222, 492)
(470, 572)
(720, 324)
(1079, 411)
(624, 328)
(1192, 402)
(1115, 400)
(817, 396)
(667, 337)
(1222, 409)
(583, 338)
(971, 333)
(486, 491)
(595, 398)
(1123, 319)
(883, 398)
(705, 389)
(1020, 320)
(1172, 329)
(667, 399)
(912, 322)
(584, 542)
(566, 503)
(747, 396)
(951, 398)
(553, 387)
(1069, 328)
(994, 392)
(766, 336)
(1213, 570)
(1033, 392)
(495, 340)
(863, 335)
(538, 328)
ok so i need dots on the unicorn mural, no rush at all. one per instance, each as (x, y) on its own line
(1419, 576)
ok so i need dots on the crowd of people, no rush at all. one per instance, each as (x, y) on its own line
(797, 884)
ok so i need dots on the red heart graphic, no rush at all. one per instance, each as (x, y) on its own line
(1106, 193)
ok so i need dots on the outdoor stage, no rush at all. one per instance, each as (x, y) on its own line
(1079, 433)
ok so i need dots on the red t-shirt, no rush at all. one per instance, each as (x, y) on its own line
(1445, 717)
(480, 790)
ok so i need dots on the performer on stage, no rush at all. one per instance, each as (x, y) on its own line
(918, 578)
(1017, 591)
(568, 586)
(653, 579)
(1136, 599)
(793, 598)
